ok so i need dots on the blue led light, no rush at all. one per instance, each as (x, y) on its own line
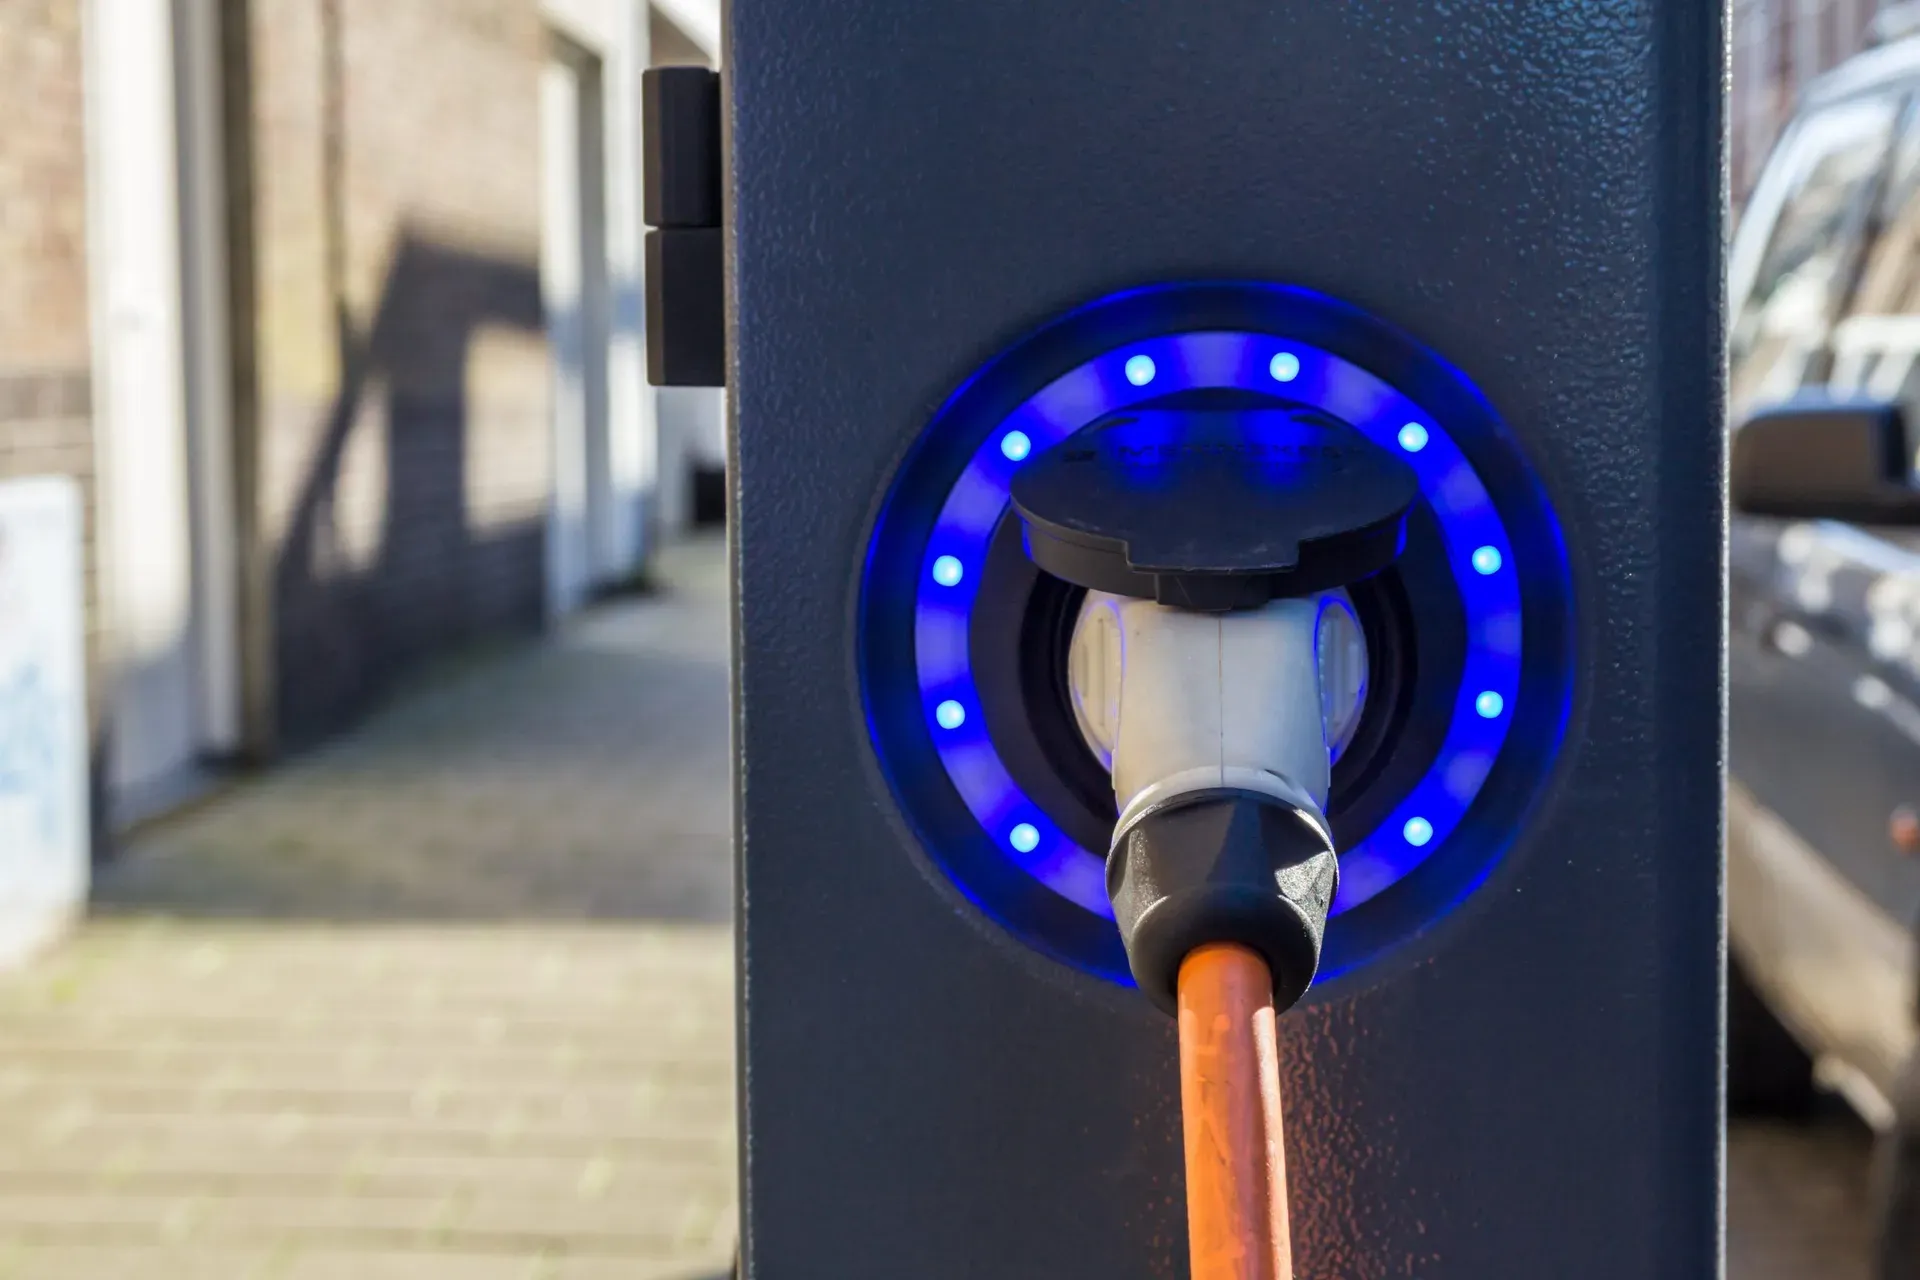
(1470, 527)
(920, 642)
(952, 715)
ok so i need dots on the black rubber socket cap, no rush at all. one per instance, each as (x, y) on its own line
(1222, 866)
(1215, 509)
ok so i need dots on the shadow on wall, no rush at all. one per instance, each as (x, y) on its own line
(347, 626)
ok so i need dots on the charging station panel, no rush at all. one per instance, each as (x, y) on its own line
(1498, 225)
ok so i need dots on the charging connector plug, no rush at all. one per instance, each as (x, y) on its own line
(1205, 539)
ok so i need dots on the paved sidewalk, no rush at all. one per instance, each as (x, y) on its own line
(447, 1000)
(451, 1000)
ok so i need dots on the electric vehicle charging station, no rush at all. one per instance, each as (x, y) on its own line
(1477, 249)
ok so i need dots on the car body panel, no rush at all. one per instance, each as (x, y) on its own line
(1825, 676)
(1830, 963)
(1824, 626)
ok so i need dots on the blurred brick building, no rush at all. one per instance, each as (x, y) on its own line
(334, 308)
(1779, 45)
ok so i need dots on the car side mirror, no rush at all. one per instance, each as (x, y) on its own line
(1818, 458)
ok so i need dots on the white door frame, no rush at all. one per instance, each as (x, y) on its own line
(574, 288)
(605, 425)
(164, 518)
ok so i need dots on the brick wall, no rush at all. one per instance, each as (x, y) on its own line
(45, 421)
(400, 361)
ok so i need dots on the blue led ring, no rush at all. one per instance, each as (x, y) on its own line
(1475, 542)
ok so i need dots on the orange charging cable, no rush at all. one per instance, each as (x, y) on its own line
(1230, 1105)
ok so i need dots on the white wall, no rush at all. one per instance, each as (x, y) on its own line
(693, 434)
(44, 840)
(699, 20)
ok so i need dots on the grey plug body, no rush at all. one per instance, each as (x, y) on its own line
(1216, 729)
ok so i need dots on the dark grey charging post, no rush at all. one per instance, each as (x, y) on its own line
(951, 223)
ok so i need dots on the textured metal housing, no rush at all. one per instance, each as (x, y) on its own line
(1536, 190)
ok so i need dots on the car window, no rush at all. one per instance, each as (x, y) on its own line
(1876, 341)
(1831, 167)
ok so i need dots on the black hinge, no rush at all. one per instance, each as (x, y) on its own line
(686, 286)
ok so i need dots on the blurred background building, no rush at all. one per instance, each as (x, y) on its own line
(1779, 45)
(334, 308)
